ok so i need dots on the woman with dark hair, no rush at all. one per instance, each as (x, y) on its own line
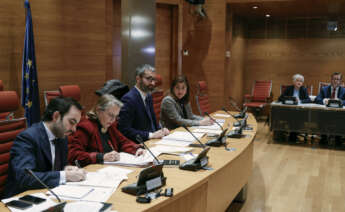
(176, 110)
(97, 138)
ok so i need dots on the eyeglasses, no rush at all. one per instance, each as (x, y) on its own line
(150, 79)
(112, 116)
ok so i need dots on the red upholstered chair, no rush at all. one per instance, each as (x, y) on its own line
(157, 97)
(261, 95)
(8, 132)
(1, 86)
(4, 115)
(70, 91)
(202, 98)
(49, 95)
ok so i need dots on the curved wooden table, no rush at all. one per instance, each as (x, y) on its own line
(204, 190)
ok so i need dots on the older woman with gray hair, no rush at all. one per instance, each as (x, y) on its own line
(97, 138)
(297, 90)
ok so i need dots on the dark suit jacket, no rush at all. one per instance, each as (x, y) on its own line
(327, 93)
(134, 120)
(303, 94)
(31, 150)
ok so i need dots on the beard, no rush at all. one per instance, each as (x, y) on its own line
(145, 88)
(58, 130)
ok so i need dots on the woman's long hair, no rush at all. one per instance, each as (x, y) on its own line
(180, 79)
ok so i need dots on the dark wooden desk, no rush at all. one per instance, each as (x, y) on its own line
(307, 118)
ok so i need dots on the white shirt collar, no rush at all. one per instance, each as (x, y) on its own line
(51, 136)
(142, 93)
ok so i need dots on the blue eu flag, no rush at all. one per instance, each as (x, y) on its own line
(30, 92)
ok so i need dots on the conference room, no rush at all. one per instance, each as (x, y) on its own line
(172, 105)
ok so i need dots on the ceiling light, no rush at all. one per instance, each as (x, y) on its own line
(255, 7)
(268, 15)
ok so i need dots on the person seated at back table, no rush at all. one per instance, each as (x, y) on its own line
(137, 117)
(97, 138)
(297, 90)
(176, 110)
(300, 92)
(42, 148)
(332, 91)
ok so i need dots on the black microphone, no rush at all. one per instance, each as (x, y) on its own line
(140, 140)
(206, 113)
(202, 145)
(238, 123)
(42, 183)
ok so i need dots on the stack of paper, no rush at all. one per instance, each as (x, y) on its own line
(163, 149)
(179, 138)
(131, 160)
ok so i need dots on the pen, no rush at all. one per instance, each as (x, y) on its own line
(77, 164)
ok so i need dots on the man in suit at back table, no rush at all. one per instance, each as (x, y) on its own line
(42, 148)
(333, 91)
(137, 116)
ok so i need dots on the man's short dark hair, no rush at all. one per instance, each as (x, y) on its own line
(337, 73)
(60, 104)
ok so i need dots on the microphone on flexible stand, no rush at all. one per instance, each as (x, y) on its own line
(236, 124)
(220, 140)
(206, 113)
(195, 145)
(141, 141)
(42, 183)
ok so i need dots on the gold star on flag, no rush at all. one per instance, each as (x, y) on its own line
(27, 90)
(29, 104)
(29, 63)
(26, 76)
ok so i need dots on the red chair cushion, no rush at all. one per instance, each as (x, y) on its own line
(9, 101)
(1, 86)
(159, 80)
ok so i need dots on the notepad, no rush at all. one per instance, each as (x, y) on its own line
(131, 160)
(182, 136)
(74, 192)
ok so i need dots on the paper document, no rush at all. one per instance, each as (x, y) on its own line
(221, 115)
(83, 206)
(106, 177)
(182, 136)
(131, 160)
(170, 149)
(73, 192)
(208, 131)
(174, 143)
(214, 126)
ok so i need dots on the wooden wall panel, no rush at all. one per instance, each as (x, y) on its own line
(116, 40)
(164, 42)
(70, 43)
(204, 39)
(280, 59)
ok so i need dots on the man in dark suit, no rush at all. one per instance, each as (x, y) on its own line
(137, 116)
(42, 148)
(333, 91)
(297, 90)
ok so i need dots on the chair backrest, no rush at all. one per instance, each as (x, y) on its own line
(201, 98)
(49, 95)
(70, 91)
(9, 103)
(5, 114)
(157, 97)
(1, 86)
(323, 84)
(309, 89)
(9, 129)
(261, 90)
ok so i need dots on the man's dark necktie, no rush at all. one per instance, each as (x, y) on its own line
(57, 161)
(147, 107)
(333, 93)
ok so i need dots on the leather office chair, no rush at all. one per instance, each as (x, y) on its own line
(201, 98)
(9, 129)
(72, 91)
(4, 115)
(49, 95)
(260, 97)
(157, 97)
